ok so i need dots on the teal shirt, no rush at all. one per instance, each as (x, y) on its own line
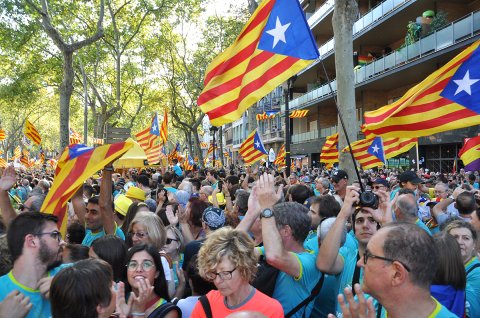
(423, 226)
(90, 236)
(40, 306)
(472, 291)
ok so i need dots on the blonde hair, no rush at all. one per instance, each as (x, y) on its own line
(157, 234)
(178, 235)
(233, 244)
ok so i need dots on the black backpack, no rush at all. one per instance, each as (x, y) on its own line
(266, 277)
(164, 309)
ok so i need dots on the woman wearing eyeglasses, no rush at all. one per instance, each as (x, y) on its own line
(227, 259)
(148, 228)
(146, 280)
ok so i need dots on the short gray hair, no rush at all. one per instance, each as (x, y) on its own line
(294, 215)
(407, 204)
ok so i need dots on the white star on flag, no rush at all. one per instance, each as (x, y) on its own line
(465, 84)
(375, 148)
(279, 32)
(257, 144)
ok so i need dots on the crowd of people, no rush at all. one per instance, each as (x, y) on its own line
(240, 242)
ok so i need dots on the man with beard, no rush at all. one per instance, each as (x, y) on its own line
(36, 245)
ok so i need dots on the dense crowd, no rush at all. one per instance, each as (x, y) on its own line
(240, 242)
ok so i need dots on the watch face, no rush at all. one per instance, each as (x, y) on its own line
(267, 213)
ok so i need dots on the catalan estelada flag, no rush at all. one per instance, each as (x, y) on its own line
(188, 164)
(76, 164)
(74, 137)
(470, 154)
(32, 133)
(391, 147)
(164, 128)
(252, 148)
(149, 140)
(447, 99)
(329, 154)
(275, 44)
(299, 113)
(2, 134)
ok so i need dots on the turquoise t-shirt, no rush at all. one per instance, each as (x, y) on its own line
(422, 225)
(472, 291)
(290, 291)
(440, 312)
(40, 306)
(90, 236)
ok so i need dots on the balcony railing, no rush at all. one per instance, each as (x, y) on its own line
(458, 30)
(324, 9)
(317, 134)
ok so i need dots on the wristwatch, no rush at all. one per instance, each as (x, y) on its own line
(266, 213)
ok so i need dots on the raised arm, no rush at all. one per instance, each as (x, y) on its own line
(106, 201)
(328, 259)
(9, 177)
(276, 253)
(79, 205)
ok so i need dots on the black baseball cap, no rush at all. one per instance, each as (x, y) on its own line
(410, 176)
(339, 175)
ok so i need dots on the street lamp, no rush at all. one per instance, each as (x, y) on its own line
(213, 130)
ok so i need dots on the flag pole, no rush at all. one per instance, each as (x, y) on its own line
(418, 162)
(287, 123)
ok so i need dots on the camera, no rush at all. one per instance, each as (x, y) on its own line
(368, 199)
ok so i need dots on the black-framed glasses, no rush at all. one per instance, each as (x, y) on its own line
(54, 234)
(368, 255)
(225, 275)
(146, 265)
(170, 240)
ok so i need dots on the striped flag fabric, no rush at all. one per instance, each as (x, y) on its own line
(164, 128)
(293, 167)
(447, 99)
(74, 137)
(262, 116)
(97, 141)
(470, 154)
(188, 164)
(42, 156)
(252, 148)
(275, 44)
(203, 145)
(32, 133)
(17, 152)
(3, 135)
(329, 154)
(24, 160)
(175, 154)
(149, 140)
(76, 164)
(376, 149)
(280, 159)
(299, 113)
(3, 163)
(211, 148)
(391, 146)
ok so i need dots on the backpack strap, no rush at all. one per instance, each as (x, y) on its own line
(164, 309)
(315, 291)
(473, 267)
(206, 306)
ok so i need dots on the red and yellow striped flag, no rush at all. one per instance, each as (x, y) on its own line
(267, 52)
(164, 128)
(75, 138)
(149, 140)
(391, 146)
(263, 116)
(447, 99)
(2, 134)
(3, 163)
(76, 164)
(17, 152)
(252, 148)
(203, 145)
(329, 154)
(299, 113)
(280, 159)
(32, 133)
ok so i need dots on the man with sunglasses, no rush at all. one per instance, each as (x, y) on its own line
(36, 246)
(399, 266)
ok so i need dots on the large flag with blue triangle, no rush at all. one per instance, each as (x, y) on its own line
(252, 148)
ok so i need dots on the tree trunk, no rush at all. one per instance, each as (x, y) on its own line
(66, 90)
(220, 142)
(198, 149)
(344, 17)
